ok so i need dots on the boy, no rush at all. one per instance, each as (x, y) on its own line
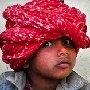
(41, 42)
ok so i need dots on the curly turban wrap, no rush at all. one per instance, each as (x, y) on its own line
(31, 25)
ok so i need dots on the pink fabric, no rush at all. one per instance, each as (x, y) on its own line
(31, 25)
(28, 86)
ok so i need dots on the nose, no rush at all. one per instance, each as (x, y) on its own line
(62, 51)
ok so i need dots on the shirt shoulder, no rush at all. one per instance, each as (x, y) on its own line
(78, 82)
(4, 83)
(86, 87)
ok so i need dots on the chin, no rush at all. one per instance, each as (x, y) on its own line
(61, 75)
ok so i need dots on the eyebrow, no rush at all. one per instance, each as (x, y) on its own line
(62, 1)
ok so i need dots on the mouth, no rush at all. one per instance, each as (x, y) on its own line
(63, 63)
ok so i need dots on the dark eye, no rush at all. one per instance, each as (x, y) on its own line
(69, 43)
(48, 44)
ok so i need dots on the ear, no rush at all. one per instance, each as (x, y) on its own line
(26, 65)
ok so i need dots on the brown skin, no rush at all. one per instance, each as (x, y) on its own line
(53, 62)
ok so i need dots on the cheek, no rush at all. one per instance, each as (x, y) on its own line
(73, 58)
(45, 55)
(43, 60)
(72, 52)
(74, 55)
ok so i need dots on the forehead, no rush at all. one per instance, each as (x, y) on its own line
(64, 38)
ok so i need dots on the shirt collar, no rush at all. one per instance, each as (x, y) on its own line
(19, 80)
(72, 82)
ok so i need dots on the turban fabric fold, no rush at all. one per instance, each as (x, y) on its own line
(29, 26)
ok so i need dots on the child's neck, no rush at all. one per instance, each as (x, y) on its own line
(40, 83)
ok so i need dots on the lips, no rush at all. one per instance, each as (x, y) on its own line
(63, 63)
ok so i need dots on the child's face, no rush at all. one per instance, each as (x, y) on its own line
(55, 59)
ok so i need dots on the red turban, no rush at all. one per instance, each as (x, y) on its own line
(31, 25)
